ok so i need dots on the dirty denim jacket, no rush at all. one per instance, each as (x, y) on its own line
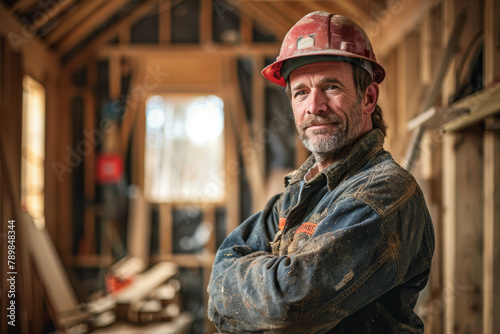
(346, 252)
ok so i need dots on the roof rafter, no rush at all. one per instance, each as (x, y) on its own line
(143, 9)
(72, 19)
(89, 25)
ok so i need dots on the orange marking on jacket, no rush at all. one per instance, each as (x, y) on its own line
(307, 228)
(282, 223)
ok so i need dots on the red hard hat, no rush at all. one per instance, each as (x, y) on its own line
(317, 37)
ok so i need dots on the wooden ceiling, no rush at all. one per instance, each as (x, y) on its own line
(67, 26)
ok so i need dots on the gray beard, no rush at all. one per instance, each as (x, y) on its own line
(344, 136)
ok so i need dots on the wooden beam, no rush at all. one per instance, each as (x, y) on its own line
(491, 41)
(278, 27)
(72, 19)
(404, 17)
(92, 22)
(491, 293)
(463, 232)
(142, 50)
(109, 33)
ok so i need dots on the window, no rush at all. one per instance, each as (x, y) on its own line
(184, 153)
(33, 150)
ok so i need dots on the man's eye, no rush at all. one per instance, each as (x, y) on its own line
(332, 87)
(298, 93)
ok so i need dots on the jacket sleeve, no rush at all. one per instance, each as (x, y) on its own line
(348, 262)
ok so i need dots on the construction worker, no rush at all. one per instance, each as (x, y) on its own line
(347, 247)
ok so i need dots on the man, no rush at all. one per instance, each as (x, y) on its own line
(348, 246)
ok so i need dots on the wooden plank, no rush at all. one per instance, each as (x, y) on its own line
(206, 22)
(463, 232)
(482, 104)
(109, 33)
(50, 268)
(165, 21)
(435, 117)
(72, 19)
(491, 41)
(166, 229)
(188, 260)
(491, 274)
(143, 284)
(86, 27)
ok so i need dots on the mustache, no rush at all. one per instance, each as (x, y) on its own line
(321, 119)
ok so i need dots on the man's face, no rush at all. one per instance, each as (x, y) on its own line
(326, 108)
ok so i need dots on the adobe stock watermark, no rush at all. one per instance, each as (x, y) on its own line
(92, 138)
(48, 10)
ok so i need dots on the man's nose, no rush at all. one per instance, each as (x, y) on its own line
(317, 102)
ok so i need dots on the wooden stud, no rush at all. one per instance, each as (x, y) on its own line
(233, 169)
(463, 232)
(166, 229)
(259, 112)
(491, 42)
(209, 217)
(206, 22)
(491, 274)
(246, 29)
(115, 77)
(165, 21)
(246, 142)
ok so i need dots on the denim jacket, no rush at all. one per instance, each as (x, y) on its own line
(346, 252)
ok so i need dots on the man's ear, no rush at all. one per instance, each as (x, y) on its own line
(370, 98)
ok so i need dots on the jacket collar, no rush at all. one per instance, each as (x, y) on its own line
(346, 165)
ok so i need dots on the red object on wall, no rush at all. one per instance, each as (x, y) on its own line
(109, 168)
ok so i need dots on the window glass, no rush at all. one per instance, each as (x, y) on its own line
(33, 150)
(184, 153)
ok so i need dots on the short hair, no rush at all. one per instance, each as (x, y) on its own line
(362, 80)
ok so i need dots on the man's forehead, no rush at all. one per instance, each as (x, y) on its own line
(338, 70)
